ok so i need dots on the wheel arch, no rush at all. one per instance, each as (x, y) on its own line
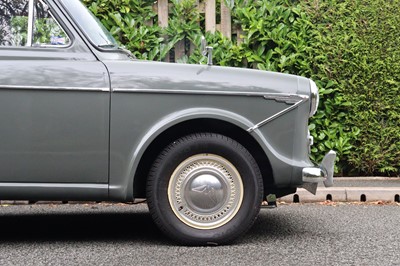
(227, 125)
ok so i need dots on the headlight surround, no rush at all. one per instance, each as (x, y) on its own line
(314, 98)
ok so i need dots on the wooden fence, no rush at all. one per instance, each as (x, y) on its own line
(209, 9)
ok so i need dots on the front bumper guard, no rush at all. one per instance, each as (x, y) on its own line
(323, 173)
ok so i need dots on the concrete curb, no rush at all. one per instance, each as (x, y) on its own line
(346, 194)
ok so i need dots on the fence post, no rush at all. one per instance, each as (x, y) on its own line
(210, 23)
(162, 11)
(179, 50)
(210, 16)
(226, 24)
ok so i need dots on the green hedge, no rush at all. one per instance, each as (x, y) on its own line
(357, 49)
(349, 47)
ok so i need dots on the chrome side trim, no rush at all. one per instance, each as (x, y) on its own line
(53, 191)
(54, 185)
(296, 101)
(274, 96)
(48, 88)
(293, 99)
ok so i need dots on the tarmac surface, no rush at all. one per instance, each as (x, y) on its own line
(333, 233)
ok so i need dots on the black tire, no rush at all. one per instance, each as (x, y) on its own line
(204, 189)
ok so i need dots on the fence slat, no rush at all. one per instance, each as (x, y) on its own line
(179, 50)
(226, 25)
(162, 10)
(161, 7)
(163, 13)
(210, 16)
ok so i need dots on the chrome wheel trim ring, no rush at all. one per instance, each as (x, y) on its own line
(205, 191)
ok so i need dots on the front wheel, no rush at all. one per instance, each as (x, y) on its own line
(204, 189)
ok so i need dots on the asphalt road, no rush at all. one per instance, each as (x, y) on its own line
(294, 234)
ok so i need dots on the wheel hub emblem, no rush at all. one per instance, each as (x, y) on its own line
(207, 191)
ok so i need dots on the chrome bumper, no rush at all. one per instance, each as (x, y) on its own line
(323, 173)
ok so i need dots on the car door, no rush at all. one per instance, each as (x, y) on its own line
(54, 99)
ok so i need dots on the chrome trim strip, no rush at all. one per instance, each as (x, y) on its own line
(274, 96)
(54, 191)
(48, 88)
(293, 99)
(54, 185)
(302, 99)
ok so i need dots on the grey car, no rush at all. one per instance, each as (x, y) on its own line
(80, 119)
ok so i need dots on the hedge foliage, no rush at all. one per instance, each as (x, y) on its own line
(349, 47)
(357, 49)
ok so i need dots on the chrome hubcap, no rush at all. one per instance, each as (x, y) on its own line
(205, 191)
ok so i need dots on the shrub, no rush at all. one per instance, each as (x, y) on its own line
(357, 46)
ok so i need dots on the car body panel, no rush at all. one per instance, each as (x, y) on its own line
(79, 118)
(47, 108)
(148, 98)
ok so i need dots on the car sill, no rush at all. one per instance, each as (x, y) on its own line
(53, 191)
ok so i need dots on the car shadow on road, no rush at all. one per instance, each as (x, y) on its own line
(97, 223)
(64, 223)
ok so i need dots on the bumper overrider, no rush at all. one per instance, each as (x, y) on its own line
(323, 173)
